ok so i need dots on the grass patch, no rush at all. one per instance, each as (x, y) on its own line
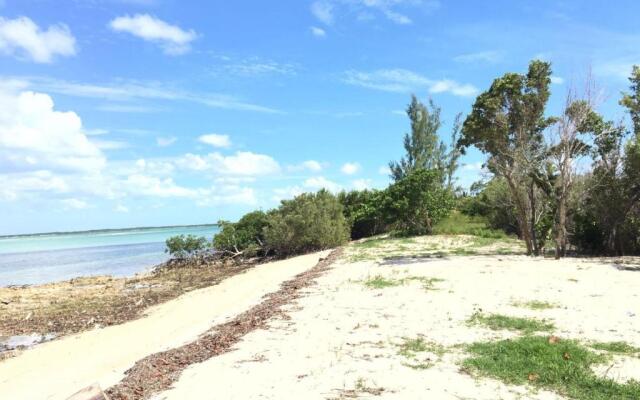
(535, 305)
(616, 347)
(498, 322)
(380, 282)
(427, 283)
(411, 349)
(370, 243)
(563, 367)
(460, 224)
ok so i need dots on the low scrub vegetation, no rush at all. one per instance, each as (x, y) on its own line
(419, 353)
(616, 347)
(535, 305)
(498, 322)
(380, 282)
(458, 223)
(309, 222)
(187, 247)
(562, 366)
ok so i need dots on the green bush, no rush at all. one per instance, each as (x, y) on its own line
(493, 202)
(362, 211)
(245, 236)
(458, 223)
(185, 247)
(309, 222)
(415, 203)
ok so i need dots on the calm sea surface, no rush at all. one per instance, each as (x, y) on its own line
(44, 258)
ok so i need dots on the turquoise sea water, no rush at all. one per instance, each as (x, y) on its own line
(40, 258)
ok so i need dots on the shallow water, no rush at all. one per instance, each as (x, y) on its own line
(45, 258)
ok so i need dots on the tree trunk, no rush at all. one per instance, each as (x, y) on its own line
(532, 211)
(521, 214)
(561, 228)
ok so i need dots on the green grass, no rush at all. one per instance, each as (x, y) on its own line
(460, 224)
(498, 322)
(410, 349)
(380, 282)
(616, 347)
(563, 367)
(535, 305)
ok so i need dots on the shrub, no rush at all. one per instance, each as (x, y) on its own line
(460, 224)
(362, 211)
(311, 221)
(186, 247)
(416, 202)
(245, 236)
(492, 201)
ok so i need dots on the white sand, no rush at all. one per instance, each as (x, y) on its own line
(58, 369)
(342, 335)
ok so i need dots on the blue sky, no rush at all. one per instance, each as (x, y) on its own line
(119, 113)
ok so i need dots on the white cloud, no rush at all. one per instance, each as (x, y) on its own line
(477, 166)
(318, 32)
(323, 11)
(173, 39)
(13, 186)
(215, 140)
(397, 17)
(109, 144)
(243, 163)
(140, 184)
(255, 67)
(34, 136)
(384, 170)
(310, 165)
(619, 68)
(350, 168)
(405, 81)
(557, 80)
(286, 193)
(361, 184)
(23, 36)
(165, 141)
(75, 204)
(126, 91)
(490, 57)
(127, 108)
(121, 208)
(227, 195)
(95, 132)
(320, 182)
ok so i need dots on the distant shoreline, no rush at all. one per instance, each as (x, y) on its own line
(101, 231)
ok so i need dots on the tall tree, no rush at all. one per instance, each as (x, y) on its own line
(422, 146)
(632, 100)
(567, 144)
(507, 123)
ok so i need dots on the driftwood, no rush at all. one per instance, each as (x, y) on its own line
(92, 392)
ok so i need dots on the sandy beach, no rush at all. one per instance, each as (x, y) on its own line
(344, 336)
(342, 340)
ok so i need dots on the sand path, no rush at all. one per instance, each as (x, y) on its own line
(341, 340)
(57, 369)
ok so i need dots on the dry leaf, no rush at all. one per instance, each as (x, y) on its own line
(566, 356)
(553, 339)
(533, 377)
